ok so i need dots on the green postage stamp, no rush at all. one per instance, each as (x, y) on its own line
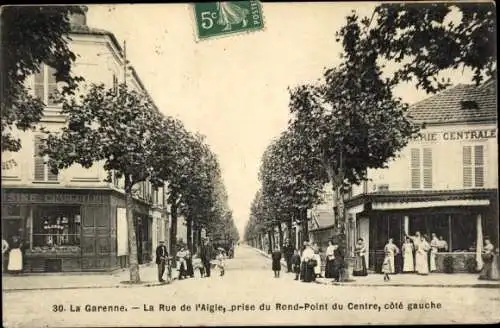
(224, 17)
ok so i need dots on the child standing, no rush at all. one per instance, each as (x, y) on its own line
(220, 261)
(276, 262)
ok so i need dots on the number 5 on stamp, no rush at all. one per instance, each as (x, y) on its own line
(225, 17)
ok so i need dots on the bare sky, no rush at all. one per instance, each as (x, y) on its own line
(232, 89)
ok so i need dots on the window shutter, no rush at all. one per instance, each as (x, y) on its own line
(479, 166)
(51, 176)
(467, 166)
(39, 161)
(427, 167)
(415, 168)
(51, 84)
(40, 83)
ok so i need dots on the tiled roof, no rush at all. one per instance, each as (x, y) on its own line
(446, 107)
(84, 29)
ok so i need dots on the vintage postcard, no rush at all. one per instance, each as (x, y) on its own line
(249, 163)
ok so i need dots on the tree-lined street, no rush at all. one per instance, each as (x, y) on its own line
(249, 282)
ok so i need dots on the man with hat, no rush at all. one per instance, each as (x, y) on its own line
(206, 256)
(161, 258)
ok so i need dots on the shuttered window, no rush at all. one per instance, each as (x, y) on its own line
(427, 168)
(45, 84)
(415, 168)
(421, 168)
(473, 166)
(41, 170)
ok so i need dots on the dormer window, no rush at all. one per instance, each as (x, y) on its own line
(469, 104)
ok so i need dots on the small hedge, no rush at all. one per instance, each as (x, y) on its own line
(448, 264)
(471, 265)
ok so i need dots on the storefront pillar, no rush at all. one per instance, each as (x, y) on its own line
(406, 225)
(479, 242)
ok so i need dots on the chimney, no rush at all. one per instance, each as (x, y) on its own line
(79, 17)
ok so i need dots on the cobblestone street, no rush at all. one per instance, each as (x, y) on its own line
(237, 298)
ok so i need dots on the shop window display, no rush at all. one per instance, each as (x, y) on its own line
(56, 227)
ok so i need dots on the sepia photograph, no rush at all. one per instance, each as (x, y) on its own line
(253, 163)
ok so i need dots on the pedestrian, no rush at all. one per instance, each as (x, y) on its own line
(276, 261)
(360, 259)
(407, 250)
(330, 256)
(220, 260)
(15, 256)
(433, 252)
(198, 265)
(308, 263)
(161, 258)
(317, 259)
(391, 250)
(490, 259)
(387, 265)
(422, 247)
(206, 256)
(189, 264)
(338, 265)
(5, 247)
(181, 257)
(288, 253)
(296, 263)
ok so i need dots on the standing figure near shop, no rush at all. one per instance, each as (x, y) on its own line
(422, 247)
(388, 264)
(15, 256)
(276, 261)
(206, 256)
(442, 244)
(181, 257)
(390, 251)
(317, 259)
(296, 263)
(433, 252)
(330, 260)
(360, 259)
(189, 264)
(308, 263)
(161, 259)
(407, 250)
(288, 253)
(490, 259)
(5, 247)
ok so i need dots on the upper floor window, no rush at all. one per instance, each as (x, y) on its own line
(473, 166)
(46, 84)
(421, 168)
(42, 172)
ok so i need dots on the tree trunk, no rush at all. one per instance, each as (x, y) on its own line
(133, 261)
(198, 238)
(271, 239)
(189, 233)
(173, 228)
(280, 234)
(305, 224)
(289, 232)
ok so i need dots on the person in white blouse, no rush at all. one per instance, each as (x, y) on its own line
(306, 259)
(434, 250)
(330, 257)
(391, 251)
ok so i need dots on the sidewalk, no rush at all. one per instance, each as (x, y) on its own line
(411, 280)
(148, 274)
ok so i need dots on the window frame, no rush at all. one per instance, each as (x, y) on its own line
(46, 170)
(45, 72)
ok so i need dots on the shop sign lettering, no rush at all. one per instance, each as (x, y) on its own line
(456, 135)
(13, 197)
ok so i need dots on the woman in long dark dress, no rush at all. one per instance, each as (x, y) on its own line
(276, 262)
(308, 264)
(330, 256)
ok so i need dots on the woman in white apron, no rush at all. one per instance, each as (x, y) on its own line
(408, 263)
(15, 256)
(421, 249)
(434, 250)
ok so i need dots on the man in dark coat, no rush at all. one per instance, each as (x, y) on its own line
(206, 256)
(287, 254)
(161, 259)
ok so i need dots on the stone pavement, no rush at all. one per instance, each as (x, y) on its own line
(411, 280)
(22, 282)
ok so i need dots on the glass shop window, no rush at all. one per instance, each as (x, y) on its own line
(56, 226)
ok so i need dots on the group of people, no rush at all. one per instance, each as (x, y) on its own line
(15, 254)
(189, 263)
(307, 263)
(418, 253)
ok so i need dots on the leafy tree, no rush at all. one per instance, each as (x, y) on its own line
(31, 35)
(427, 38)
(118, 129)
(256, 227)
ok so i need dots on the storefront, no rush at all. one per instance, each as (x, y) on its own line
(463, 219)
(72, 230)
